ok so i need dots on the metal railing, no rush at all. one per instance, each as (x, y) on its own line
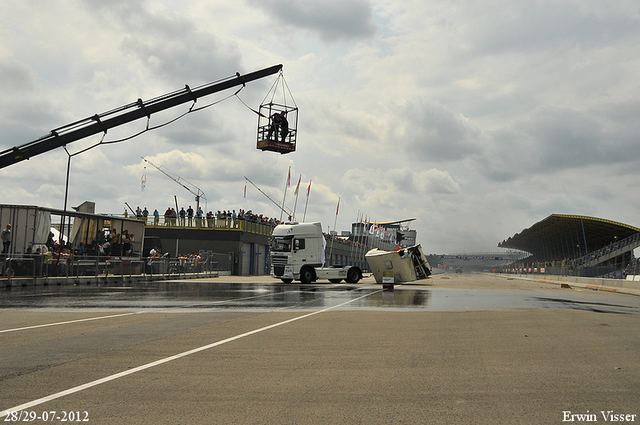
(610, 251)
(30, 268)
(242, 225)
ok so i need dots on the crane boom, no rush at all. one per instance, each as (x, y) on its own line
(100, 123)
(198, 193)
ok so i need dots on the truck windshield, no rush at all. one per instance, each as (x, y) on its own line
(279, 244)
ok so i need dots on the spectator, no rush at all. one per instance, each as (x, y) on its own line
(182, 215)
(199, 214)
(6, 239)
(190, 215)
(210, 217)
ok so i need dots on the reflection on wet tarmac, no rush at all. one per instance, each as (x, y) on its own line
(206, 296)
(596, 307)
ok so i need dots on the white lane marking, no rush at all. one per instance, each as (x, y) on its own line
(68, 322)
(129, 314)
(168, 359)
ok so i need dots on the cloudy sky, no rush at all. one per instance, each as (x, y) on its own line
(477, 118)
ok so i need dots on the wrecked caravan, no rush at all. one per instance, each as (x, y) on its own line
(402, 265)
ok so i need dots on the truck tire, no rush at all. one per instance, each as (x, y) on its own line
(353, 275)
(307, 275)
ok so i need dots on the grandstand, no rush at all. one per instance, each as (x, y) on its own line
(576, 245)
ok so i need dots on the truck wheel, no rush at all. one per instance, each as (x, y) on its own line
(286, 280)
(353, 275)
(306, 275)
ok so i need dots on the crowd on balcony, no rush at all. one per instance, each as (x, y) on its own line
(197, 218)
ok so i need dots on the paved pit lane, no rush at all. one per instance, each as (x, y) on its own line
(271, 295)
(471, 349)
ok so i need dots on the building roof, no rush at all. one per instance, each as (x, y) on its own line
(562, 236)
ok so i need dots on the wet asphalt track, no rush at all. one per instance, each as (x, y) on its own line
(469, 349)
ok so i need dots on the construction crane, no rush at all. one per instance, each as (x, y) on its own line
(195, 190)
(100, 123)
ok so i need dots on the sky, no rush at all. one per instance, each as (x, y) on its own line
(478, 119)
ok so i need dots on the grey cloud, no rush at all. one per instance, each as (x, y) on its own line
(540, 26)
(25, 120)
(563, 138)
(623, 126)
(433, 132)
(15, 77)
(556, 139)
(348, 124)
(333, 20)
(170, 45)
(403, 179)
(440, 182)
(196, 58)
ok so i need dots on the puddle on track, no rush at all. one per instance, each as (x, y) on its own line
(203, 296)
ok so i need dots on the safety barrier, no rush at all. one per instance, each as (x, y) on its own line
(630, 287)
(41, 269)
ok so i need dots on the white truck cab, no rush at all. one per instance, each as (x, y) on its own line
(297, 253)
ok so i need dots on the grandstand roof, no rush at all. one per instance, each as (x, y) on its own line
(561, 236)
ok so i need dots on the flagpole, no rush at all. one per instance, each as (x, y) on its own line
(285, 191)
(364, 241)
(296, 193)
(334, 229)
(353, 254)
(307, 202)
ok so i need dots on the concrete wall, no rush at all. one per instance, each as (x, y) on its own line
(612, 285)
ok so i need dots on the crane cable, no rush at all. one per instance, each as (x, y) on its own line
(148, 128)
(272, 91)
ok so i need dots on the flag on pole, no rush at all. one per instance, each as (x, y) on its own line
(245, 190)
(298, 186)
(338, 207)
(143, 179)
(304, 217)
(289, 178)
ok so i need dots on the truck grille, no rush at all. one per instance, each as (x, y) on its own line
(279, 260)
